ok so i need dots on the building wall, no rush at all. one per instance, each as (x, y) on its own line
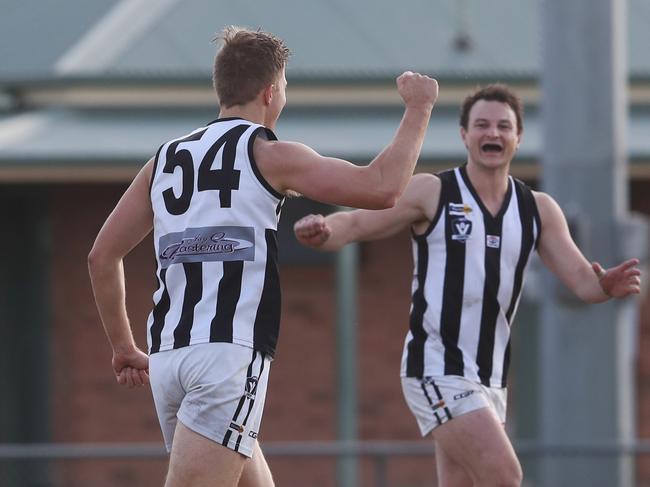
(88, 406)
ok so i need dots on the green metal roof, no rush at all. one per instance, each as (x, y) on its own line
(111, 43)
(35, 33)
(334, 38)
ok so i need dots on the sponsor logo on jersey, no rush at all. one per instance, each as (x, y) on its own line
(207, 244)
(461, 229)
(459, 209)
(493, 241)
(252, 434)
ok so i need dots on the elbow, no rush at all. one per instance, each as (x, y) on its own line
(97, 260)
(385, 200)
(94, 259)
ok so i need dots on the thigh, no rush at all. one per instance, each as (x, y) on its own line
(167, 391)
(196, 461)
(256, 471)
(477, 442)
(450, 472)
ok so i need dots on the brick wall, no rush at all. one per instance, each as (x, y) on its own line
(87, 405)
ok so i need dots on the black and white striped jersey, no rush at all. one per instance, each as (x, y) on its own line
(469, 270)
(215, 237)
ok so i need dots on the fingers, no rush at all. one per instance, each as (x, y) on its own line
(309, 225)
(628, 264)
(626, 270)
(144, 377)
(312, 230)
(417, 89)
(132, 377)
(620, 281)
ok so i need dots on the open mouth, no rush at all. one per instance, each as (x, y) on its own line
(492, 148)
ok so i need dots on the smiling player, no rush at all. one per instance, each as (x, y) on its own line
(474, 229)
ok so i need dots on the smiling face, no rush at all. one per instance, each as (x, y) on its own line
(492, 136)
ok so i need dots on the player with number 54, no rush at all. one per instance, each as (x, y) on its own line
(213, 199)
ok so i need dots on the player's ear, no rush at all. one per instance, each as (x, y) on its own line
(463, 134)
(267, 94)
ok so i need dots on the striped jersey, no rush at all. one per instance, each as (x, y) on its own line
(469, 270)
(215, 238)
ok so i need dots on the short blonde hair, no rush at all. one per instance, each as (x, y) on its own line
(247, 61)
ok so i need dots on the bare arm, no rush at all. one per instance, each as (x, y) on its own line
(589, 281)
(294, 166)
(415, 208)
(126, 226)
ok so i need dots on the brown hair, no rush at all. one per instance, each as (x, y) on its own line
(247, 61)
(494, 92)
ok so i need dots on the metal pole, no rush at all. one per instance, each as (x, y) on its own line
(346, 369)
(586, 386)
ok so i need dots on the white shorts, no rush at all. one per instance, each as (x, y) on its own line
(435, 400)
(215, 389)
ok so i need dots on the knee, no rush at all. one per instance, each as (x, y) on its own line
(502, 474)
(511, 478)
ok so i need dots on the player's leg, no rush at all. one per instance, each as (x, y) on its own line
(450, 472)
(478, 443)
(196, 461)
(256, 471)
(223, 387)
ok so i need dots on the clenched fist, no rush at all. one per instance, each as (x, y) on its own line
(417, 89)
(312, 230)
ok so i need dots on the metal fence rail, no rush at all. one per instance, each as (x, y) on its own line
(52, 451)
(380, 452)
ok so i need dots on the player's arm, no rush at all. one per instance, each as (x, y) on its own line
(126, 226)
(589, 281)
(294, 166)
(415, 208)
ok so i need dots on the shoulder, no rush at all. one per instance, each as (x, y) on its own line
(423, 187)
(277, 158)
(423, 195)
(549, 209)
(544, 200)
(279, 151)
(425, 181)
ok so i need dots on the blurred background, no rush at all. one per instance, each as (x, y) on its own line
(90, 89)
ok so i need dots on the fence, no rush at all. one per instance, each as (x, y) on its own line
(381, 452)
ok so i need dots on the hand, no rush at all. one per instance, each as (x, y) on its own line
(312, 230)
(619, 281)
(417, 89)
(131, 368)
